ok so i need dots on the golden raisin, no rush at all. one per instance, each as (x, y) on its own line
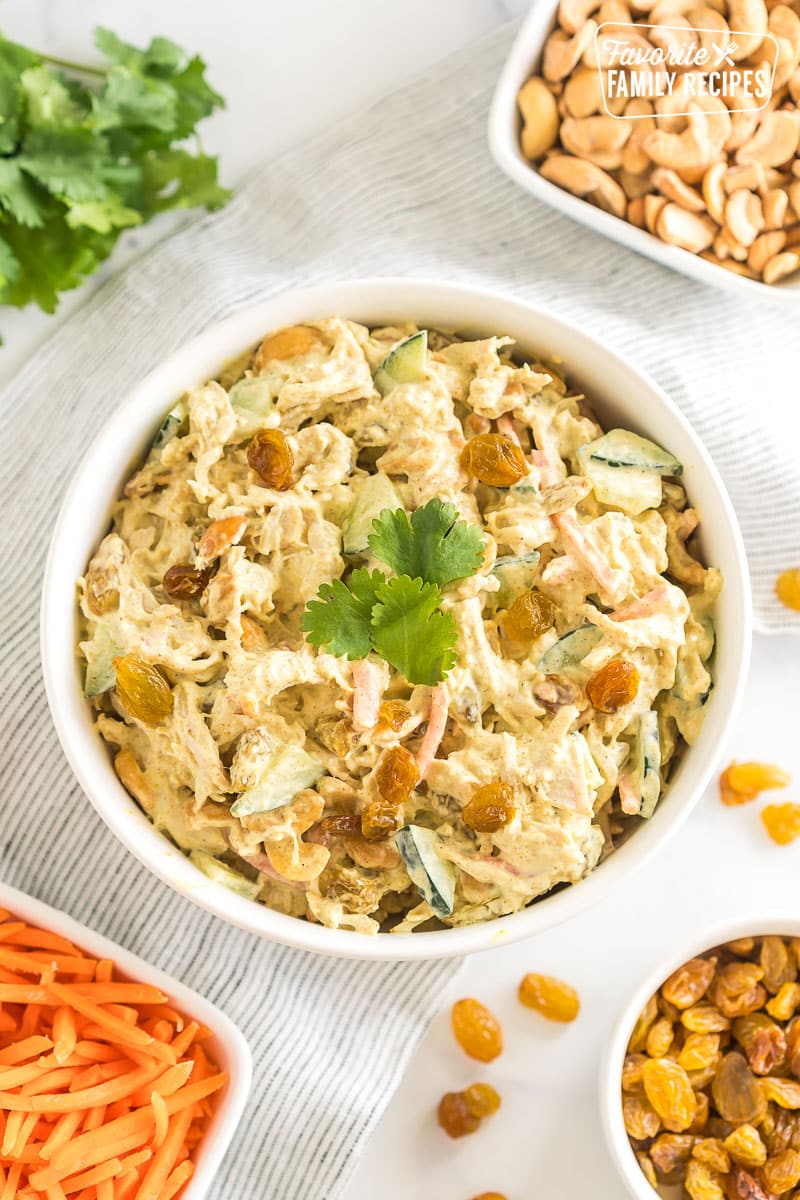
(476, 1030)
(647, 1016)
(183, 581)
(143, 690)
(396, 775)
(777, 963)
(736, 1092)
(639, 1117)
(551, 997)
(782, 822)
(455, 1117)
(490, 808)
(495, 459)
(392, 715)
(659, 1039)
(632, 1071)
(744, 1186)
(700, 1050)
(671, 1150)
(782, 1172)
(787, 588)
(712, 1152)
(531, 615)
(489, 1196)
(704, 1018)
(613, 686)
(379, 820)
(668, 1089)
(784, 1092)
(686, 986)
(745, 1146)
(784, 1004)
(762, 1040)
(703, 1182)
(481, 1099)
(271, 458)
(737, 989)
(756, 777)
(285, 344)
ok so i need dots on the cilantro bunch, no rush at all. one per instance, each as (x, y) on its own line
(399, 617)
(81, 161)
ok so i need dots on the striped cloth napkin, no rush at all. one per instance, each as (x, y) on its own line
(407, 188)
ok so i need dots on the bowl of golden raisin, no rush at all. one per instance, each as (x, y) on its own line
(701, 1085)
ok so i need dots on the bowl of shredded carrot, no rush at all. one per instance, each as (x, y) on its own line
(116, 1081)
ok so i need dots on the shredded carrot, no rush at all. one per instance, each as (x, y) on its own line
(105, 1092)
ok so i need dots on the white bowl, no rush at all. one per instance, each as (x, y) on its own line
(611, 1069)
(504, 131)
(227, 1045)
(624, 396)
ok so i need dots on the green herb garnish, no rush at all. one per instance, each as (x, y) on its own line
(90, 151)
(400, 618)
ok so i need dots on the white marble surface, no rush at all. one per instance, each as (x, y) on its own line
(285, 68)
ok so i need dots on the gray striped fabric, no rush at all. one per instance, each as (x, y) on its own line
(406, 188)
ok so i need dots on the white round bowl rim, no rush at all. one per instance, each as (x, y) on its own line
(235, 1053)
(140, 412)
(611, 1065)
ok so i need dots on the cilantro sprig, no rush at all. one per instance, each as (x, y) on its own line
(88, 151)
(400, 618)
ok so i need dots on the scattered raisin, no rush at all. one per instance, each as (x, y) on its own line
(183, 581)
(392, 715)
(379, 820)
(756, 777)
(489, 1196)
(613, 686)
(476, 1030)
(455, 1117)
(490, 808)
(142, 689)
(481, 1099)
(396, 775)
(787, 588)
(271, 458)
(495, 459)
(551, 997)
(531, 615)
(782, 822)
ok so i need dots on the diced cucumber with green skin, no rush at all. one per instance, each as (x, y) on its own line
(621, 448)
(516, 574)
(106, 645)
(633, 489)
(433, 876)
(286, 773)
(570, 650)
(219, 872)
(173, 423)
(253, 401)
(647, 763)
(404, 364)
(375, 493)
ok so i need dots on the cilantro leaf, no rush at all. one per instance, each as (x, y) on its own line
(411, 632)
(129, 99)
(340, 618)
(102, 215)
(53, 259)
(9, 265)
(48, 99)
(65, 161)
(18, 195)
(434, 545)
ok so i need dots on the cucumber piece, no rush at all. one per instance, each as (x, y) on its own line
(647, 762)
(621, 448)
(375, 493)
(404, 364)
(173, 423)
(516, 574)
(570, 650)
(287, 772)
(253, 401)
(106, 644)
(633, 489)
(433, 876)
(219, 872)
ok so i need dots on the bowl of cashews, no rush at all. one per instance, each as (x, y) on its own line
(696, 166)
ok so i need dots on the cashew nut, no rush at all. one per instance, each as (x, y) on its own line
(792, 237)
(599, 52)
(614, 11)
(635, 213)
(780, 266)
(562, 52)
(784, 24)
(540, 116)
(711, 26)
(597, 139)
(572, 14)
(748, 175)
(583, 178)
(720, 247)
(747, 16)
(664, 12)
(738, 268)
(634, 158)
(744, 216)
(735, 248)
(653, 206)
(766, 246)
(793, 85)
(583, 93)
(695, 149)
(677, 38)
(689, 230)
(774, 142)
(775, 204)
(673, 187)
(794, 197)
(714, 191)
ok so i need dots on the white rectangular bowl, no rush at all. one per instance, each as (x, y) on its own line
(504, 131)
(227, 1044)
